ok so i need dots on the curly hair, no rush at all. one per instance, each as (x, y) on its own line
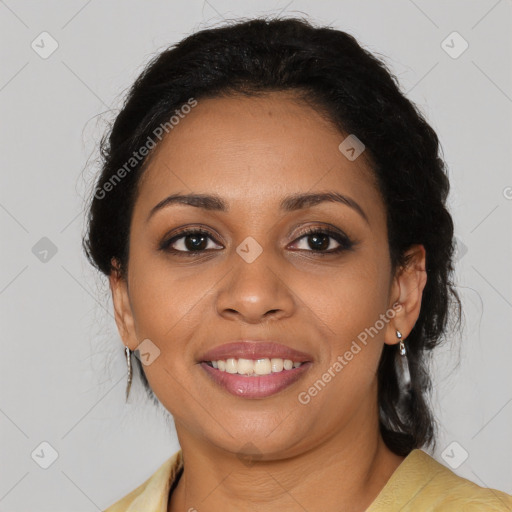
(359, 95)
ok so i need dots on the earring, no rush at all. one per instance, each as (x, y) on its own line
(403, 363)
(402, 344)
(128, 354)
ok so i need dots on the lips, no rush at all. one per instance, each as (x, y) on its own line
(260, 387)
(251, 349)
(255, 386)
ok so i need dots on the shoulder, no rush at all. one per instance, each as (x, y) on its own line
(152, 495)
(421, 483)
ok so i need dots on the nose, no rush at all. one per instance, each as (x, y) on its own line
(255, 292)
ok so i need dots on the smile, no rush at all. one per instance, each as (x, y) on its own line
(254, 385)
(254, 367)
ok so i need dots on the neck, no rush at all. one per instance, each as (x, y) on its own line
(344, 475)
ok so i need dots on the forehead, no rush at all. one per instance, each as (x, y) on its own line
(253, 151)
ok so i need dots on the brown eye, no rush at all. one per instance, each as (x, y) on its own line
(187, 241)
(324, 241)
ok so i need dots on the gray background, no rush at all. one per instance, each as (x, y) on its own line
(62, 373)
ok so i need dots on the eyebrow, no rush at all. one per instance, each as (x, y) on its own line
(288, 204)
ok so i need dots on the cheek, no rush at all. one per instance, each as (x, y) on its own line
(163, 298)
(170, 312)
(350, 306)
(350, 299)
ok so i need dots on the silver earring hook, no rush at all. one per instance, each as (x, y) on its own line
(128, 354)
(402, 344)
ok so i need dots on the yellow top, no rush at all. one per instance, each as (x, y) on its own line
(419, 484)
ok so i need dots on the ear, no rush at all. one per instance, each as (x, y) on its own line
(122, 308)
(406, 294)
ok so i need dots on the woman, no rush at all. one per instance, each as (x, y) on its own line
(271, 216)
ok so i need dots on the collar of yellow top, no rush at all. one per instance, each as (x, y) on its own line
(153, 494)
(419, 483)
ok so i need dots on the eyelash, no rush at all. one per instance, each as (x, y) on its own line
(345, 244)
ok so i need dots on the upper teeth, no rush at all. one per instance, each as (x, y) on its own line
(264, 366)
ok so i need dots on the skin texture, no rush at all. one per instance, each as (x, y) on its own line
(253, 152)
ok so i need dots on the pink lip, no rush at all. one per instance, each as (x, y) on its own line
(263, 385)
(250, 349)
(255, 387)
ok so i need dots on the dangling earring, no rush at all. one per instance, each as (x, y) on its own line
(402, 344)
(128, 354)
(403, 362)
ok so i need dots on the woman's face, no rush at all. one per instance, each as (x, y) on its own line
(257, 275)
